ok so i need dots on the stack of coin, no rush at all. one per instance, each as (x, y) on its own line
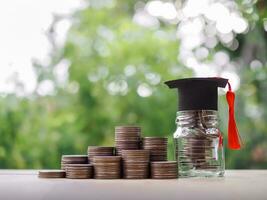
(99, 151)
(135, 164)
(79, 171)
(158, 147)
(107, 167)
(127, 138)
(52, 174)
(73, 159)
(164, 170)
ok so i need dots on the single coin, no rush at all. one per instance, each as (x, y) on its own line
(97, 159)
(52, 174)
(100, 148)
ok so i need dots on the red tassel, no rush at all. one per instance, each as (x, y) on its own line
(234, 139)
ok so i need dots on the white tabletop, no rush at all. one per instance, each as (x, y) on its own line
(237, 184)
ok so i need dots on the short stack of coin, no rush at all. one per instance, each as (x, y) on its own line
(79, 171)
(73, 159)
(164, 170)
(52, 174)
(107, 167)
(127, 138)
(135, 164)
(99, 151)
(158, 147)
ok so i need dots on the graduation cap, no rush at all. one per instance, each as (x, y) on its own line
(202, 94)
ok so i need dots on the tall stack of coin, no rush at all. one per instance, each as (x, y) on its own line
(127, 138)
(99, 151)
(73, 159)
(52, 174)
(107, 167)
(135, 164)
(79, 171)
(158, 147)
(164, 170)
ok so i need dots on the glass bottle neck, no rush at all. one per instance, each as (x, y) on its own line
(197, 119)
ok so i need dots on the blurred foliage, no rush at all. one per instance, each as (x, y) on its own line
(110, 58)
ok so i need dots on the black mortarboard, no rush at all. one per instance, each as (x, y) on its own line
(198, 93)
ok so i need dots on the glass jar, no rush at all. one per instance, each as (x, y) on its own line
(198, 144)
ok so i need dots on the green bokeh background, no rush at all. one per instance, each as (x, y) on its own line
(103, 40)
